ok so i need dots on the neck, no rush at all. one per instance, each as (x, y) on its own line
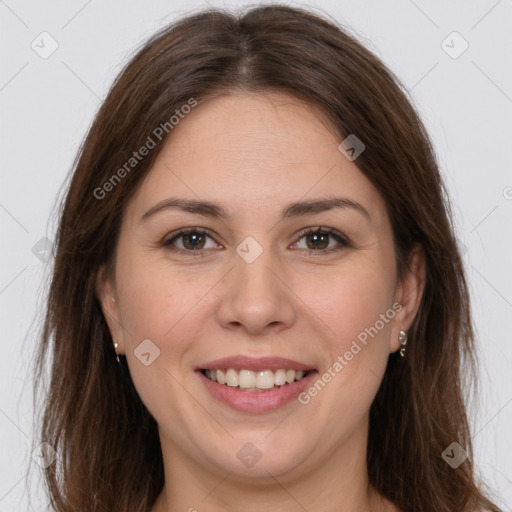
(282, 500)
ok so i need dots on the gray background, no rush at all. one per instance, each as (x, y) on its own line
(47, 104)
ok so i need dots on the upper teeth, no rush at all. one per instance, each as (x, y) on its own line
(264, 379)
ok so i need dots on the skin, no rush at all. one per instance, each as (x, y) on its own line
(254, 154)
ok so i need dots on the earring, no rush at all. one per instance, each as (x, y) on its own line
(117, 355)
(402, 336)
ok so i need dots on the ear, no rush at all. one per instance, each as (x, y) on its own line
(106, 294)
(408, 294)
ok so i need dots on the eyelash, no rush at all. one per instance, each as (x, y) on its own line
(307, 231)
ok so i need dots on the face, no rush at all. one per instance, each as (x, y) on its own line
(314, 285)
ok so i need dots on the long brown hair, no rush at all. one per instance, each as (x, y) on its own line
(108, 450)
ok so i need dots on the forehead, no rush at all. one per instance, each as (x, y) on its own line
(253, 153)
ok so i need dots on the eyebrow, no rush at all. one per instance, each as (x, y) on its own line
(292, 210)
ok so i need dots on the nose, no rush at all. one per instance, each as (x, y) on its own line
(255, 297)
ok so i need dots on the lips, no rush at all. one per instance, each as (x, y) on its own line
(255, 384)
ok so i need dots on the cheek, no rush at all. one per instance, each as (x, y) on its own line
(358, 350)
(156, 299)
(169, 307)
(162, 307)
(350, 304)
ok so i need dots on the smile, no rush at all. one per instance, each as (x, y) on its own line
(254, 381)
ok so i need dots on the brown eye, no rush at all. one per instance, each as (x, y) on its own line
(319, 240)
(192, 241)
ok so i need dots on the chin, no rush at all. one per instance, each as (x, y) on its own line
(248, 461)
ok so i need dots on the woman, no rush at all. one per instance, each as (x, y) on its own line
(257, 300)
